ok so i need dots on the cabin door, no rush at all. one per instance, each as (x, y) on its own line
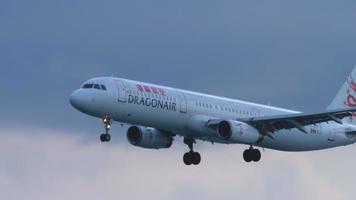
(182, 103)
(122, 90)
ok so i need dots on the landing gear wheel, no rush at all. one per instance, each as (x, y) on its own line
(187, 159)
(102, 138)
(256, 155)
(252, 155)
(192, 158)
(196, 158)
(105, 137)
(247, 155)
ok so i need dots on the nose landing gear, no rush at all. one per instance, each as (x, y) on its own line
(106, 137)
(252, 154)
(191, 157)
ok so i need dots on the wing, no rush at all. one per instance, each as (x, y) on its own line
(274, 123)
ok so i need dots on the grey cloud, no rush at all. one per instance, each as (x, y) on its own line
(57, 165)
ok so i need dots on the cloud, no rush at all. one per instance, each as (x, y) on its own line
(43, 164)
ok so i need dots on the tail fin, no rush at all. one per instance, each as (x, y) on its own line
(346, 97)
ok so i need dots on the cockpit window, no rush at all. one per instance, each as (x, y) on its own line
(87, 86)
(103, 87)
(96, 86)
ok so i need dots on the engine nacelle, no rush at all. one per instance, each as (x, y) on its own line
(240, 132)
(148, 138)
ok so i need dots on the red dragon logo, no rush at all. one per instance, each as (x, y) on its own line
(352, 83)
(350, 95)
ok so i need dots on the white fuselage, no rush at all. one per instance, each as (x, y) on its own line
(172, 110)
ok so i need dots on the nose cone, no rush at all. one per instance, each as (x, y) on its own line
(76, 100)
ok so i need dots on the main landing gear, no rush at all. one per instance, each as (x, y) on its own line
(106, 137)
(191, 158)
(252, 154)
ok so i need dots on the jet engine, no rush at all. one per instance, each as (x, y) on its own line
(238, 132)
(148, 138)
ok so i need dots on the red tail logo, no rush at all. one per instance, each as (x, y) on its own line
(352, 83)
(351, 90)
(350, 96)
(350, 101)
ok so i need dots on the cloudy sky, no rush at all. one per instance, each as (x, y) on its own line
(293, 54)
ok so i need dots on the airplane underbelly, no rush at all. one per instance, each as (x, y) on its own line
(294, 140)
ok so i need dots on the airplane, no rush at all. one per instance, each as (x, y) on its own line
(157, 114)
